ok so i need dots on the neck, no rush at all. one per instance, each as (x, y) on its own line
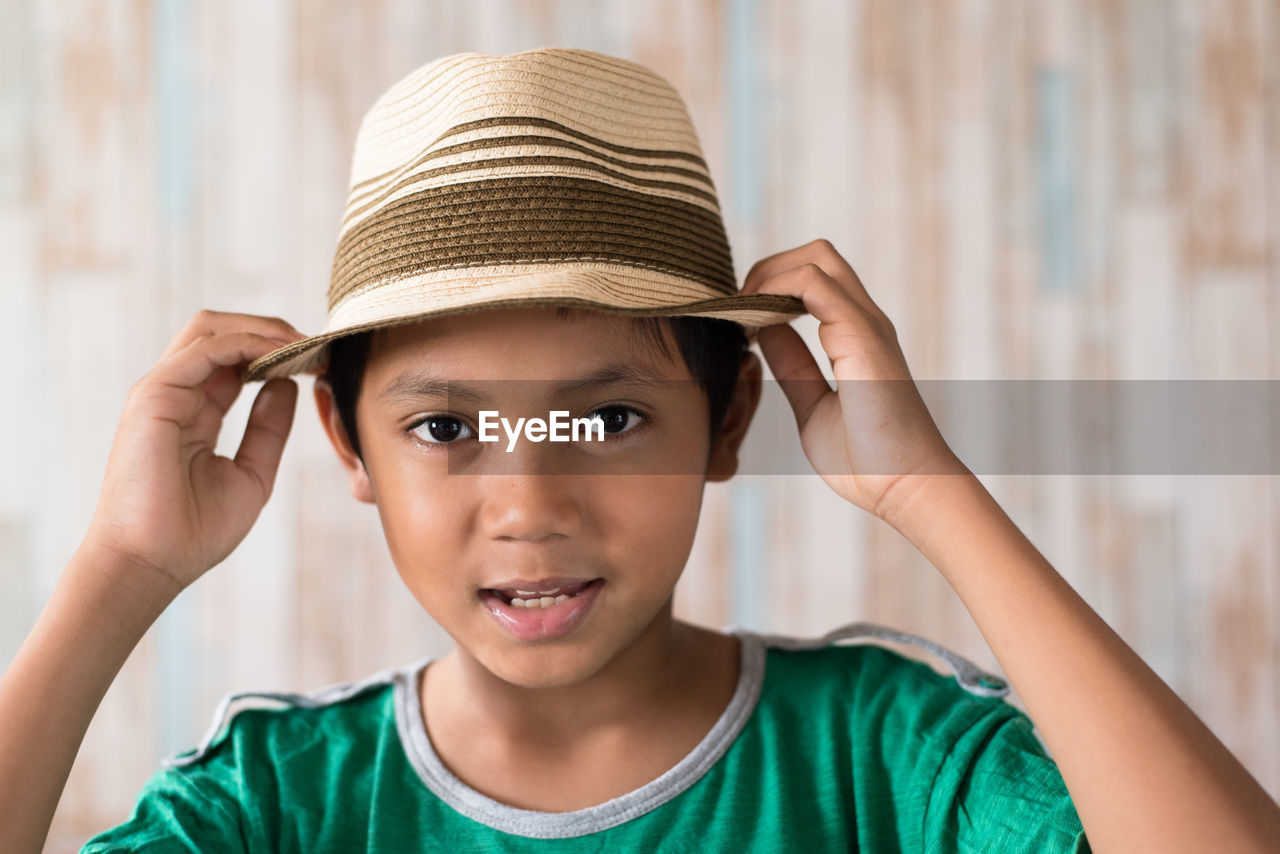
(659, 671)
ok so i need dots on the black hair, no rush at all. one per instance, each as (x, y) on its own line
(712, 350)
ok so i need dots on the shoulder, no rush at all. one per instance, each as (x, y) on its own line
(261, 724)
(270, 763)
(852, 651)
(957, 760)
(880, 689)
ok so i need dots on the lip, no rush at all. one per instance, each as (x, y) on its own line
(542, 624)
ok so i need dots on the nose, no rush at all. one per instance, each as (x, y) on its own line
(524, 501)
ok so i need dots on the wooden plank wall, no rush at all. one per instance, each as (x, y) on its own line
(1031, 189)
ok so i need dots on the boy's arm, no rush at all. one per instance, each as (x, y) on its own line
(1144, 773)
(50, 692)
(169, 510)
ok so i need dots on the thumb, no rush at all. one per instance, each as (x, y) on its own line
(268, 428)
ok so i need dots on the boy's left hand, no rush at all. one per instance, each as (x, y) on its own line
(868, 440)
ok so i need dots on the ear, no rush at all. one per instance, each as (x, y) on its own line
(361, 486)
(722, 463)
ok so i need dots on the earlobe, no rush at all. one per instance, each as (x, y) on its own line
(722, 462)
(361, 486)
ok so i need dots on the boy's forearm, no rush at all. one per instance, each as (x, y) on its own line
(1143, 771)
(48, 695)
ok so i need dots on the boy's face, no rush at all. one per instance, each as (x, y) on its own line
(465, 519)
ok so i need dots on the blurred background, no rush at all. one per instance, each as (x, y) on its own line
(1030, 190)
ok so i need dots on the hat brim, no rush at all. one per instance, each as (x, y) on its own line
(310, 354)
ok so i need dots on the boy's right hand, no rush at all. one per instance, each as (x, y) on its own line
(169, 507)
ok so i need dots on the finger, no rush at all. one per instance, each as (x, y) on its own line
(822, 253)
(224, 388)
(774, 264)
(794, 368)
(210, 322)
(822, 295)
(195, 364)
(266, 432)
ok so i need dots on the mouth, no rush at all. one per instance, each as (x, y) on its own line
(545, 610)
(539, 594)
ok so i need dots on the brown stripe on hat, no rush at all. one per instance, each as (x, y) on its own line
(520, 220)
(563, 197)
(485, 151)
(525, 138)
(691, 157)
(530, 146)
(535, 159)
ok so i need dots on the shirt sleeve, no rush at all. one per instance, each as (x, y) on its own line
(174, 814)
(997, 790)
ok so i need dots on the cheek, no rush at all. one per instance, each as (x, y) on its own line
(652, 519)
(424, 523)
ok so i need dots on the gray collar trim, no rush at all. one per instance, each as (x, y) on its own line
(560, 825)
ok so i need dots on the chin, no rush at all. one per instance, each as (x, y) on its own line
(548, 665)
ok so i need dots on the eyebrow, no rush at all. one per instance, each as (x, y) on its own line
(416, 383)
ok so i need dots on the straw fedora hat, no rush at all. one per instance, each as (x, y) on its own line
(549, 177)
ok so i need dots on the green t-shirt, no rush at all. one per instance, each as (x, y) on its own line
(823, 747)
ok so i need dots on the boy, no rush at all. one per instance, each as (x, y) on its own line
(573, 712)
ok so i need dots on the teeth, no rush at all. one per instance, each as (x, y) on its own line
(535, 601)
(528, 593)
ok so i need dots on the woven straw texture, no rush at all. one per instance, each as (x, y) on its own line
(554, 176)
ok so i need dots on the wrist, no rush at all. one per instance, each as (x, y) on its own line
(942, 519)
(108, 578)
(915, 500)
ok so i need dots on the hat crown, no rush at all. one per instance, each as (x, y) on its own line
(612, 100)
(550, 156)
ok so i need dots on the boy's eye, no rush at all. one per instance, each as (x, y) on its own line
(618, 419)
(442, 429)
